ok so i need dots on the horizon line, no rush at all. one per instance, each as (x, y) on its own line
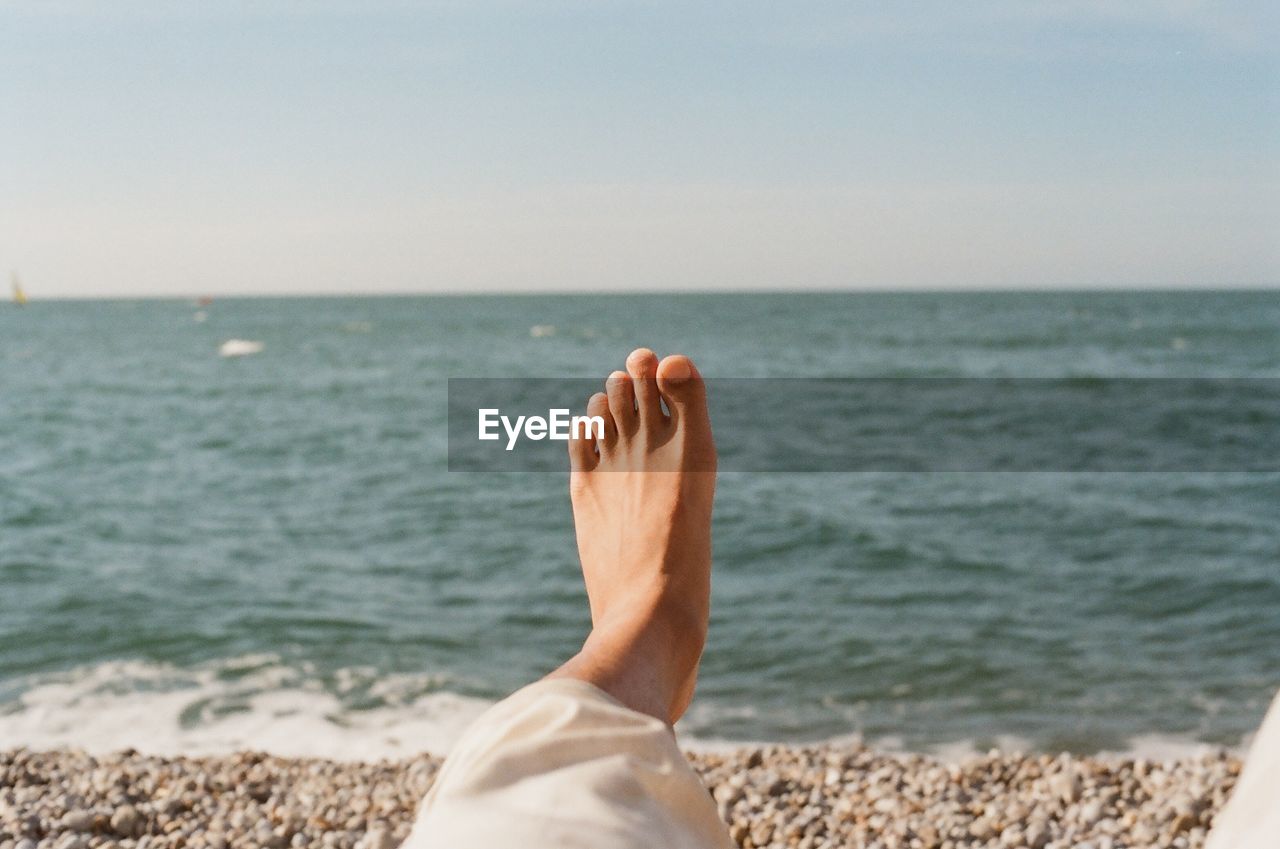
(633, 292)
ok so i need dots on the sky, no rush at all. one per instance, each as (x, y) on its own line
(187, 148)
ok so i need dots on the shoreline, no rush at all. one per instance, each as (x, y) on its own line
(806, 797)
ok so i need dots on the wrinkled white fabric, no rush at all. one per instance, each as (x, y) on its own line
(561, 764)
(1251, 817)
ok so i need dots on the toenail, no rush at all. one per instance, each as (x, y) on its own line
(677, 369)
(641, 354)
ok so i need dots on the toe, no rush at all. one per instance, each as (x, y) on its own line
(598, 405)
(622, 402)
(681, 386)
(582, 453)
(642, 365)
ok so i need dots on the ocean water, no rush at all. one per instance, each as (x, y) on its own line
(200, 553)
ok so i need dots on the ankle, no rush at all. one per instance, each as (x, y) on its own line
(648, 657)
(665, 618)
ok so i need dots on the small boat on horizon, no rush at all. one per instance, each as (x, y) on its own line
(19, 295)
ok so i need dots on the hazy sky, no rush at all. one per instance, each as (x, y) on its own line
(481, 145)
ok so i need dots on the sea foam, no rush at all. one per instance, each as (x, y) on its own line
(259, 702)
(253, 702)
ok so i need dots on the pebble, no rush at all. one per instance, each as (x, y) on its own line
(1066, 786)
(377, 839)
(775, 797)
(125, 820)
(980, 828)
(1037, 835)
(1090, 812)
(78, 821)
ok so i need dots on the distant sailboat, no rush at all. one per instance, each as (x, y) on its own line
(19, 296)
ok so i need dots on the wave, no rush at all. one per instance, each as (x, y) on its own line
(258, 702)
(254, 702)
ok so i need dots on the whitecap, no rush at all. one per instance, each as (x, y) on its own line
(255, 702)
(239, 348)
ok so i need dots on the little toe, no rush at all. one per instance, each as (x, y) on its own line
(582, 451)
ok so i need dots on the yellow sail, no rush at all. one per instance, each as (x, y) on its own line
(19, 296)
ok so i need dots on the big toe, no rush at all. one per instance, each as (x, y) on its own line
(681, 385)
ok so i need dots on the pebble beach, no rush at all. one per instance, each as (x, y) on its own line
(817, 797)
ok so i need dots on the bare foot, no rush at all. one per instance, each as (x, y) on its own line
(642, 501)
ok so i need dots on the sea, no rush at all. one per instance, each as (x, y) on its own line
(202, 553)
